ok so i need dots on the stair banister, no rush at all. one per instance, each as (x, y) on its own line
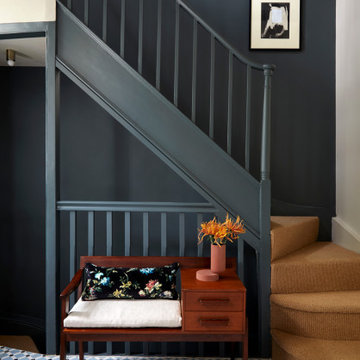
(266, 124)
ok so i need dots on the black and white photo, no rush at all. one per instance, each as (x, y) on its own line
(275, 24)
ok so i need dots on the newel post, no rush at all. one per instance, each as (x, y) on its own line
(264, 252)
(266, 123)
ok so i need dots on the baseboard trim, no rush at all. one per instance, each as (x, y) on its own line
(344, 235)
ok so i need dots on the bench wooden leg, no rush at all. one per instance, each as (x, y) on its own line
(81, 350)
(62, 347)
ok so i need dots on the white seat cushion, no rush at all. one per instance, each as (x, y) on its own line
(124, 314)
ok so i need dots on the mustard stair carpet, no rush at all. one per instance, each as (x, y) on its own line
(315, 294)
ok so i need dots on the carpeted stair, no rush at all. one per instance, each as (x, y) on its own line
(315, 301)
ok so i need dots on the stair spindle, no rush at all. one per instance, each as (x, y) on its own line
(140, 34)
(122, 29)
(104, 20)
(212, 87)
(163, 234)
(229, 103)
(194, 72)
(145, 234)
(86, 12)
(176, 60)
(248, 116)
(158, 44)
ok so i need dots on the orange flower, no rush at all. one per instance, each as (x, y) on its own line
(218, 233)
(236, 228)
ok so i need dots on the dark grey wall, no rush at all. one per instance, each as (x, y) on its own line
(303, 127)
(100, 161)
(22, 201)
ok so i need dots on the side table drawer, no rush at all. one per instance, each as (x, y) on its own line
(207, 301)
(214, 321)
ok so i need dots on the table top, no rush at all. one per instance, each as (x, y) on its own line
(229, 281)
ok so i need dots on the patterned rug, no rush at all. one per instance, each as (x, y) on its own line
(7, 353)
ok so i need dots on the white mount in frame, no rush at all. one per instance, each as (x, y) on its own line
(275, 24)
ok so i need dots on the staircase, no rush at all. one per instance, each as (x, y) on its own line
(315, 300)
(158, 121)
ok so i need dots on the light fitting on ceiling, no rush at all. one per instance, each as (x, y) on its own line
(10, 57)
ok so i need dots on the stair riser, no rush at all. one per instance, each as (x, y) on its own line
(330, 326)
(279, 354)
(287, 239)
(300, 278)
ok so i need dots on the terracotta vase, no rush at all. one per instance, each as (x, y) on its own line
(218, 258)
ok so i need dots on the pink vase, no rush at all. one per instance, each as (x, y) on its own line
(218, 259)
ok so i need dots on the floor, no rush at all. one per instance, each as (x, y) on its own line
(7, 353)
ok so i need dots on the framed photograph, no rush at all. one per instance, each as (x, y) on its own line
(275, 24)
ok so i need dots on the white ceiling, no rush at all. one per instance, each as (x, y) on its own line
(29, 51)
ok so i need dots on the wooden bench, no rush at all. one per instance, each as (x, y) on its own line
(211, 311)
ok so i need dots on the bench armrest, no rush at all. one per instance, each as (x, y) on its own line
(64, 296)
(72, 286)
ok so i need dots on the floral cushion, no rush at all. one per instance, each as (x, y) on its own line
(130, 283)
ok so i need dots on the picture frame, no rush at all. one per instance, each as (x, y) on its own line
(275, 24)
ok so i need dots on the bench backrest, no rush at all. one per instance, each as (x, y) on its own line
(151, 261)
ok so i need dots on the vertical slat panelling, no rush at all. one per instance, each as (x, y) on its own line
(122, 29)
(182, 234)
(248, 117)
(194, 73)
(127, 348)
(145, 253)
(201, 349)
(163, 234)
(91, 241)
(212, 87)
(109, 233)
(240, 259)
(182, 349)
(145, 234)
(72, 262)
(91, 251)
(127, 253)
(176, 59)
(163, 253)
(109, 349)
(145, 348)
(222, 349)
(140, 35)
(164, 348)
(200, 249)
(127, 233)
(86, 12)
(158, 44)
(229, 105)
(69, 5)
(104, 21)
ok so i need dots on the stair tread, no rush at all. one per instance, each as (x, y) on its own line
(303, 348)
(290, 233)
(336, 301)
(319, 252)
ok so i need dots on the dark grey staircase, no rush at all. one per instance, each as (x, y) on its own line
(163, 128)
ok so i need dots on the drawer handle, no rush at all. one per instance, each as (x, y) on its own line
(214, 302)
(214, 322)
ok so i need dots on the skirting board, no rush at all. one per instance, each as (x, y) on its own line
(344, 235)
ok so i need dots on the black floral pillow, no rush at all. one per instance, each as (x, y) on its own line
(130, 283)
